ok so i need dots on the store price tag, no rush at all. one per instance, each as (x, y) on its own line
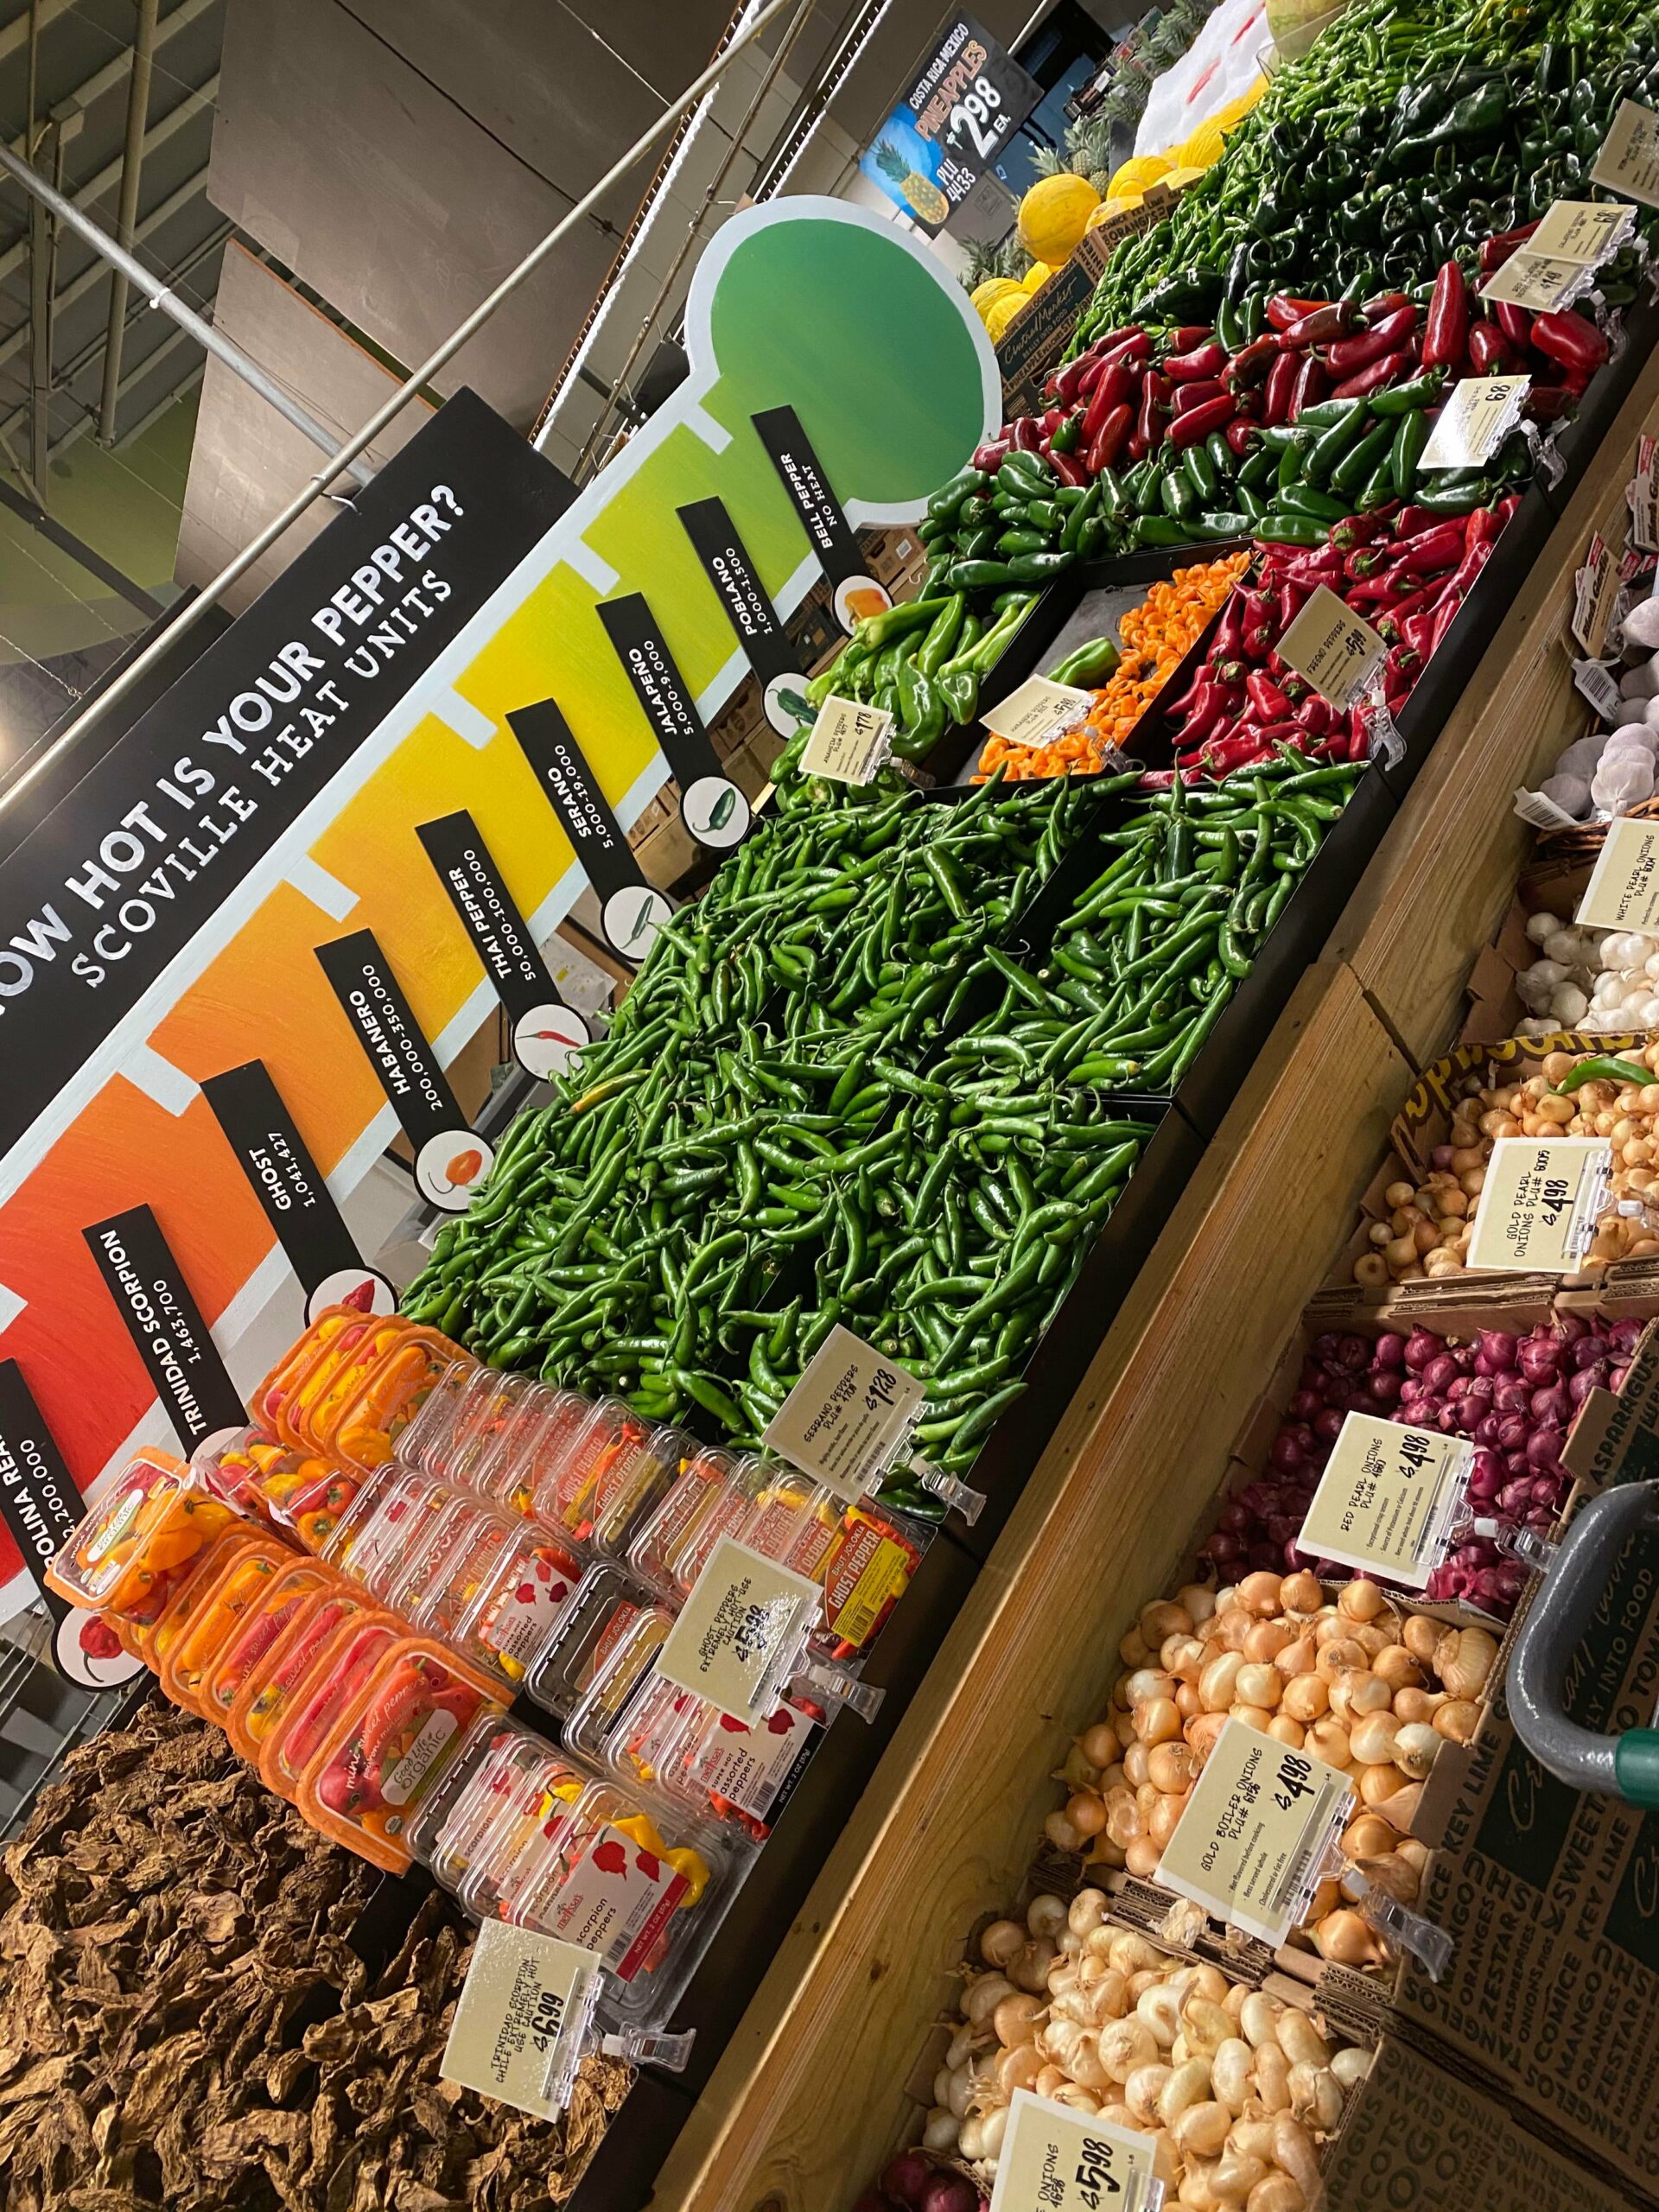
(1254, 1831)
(740, 1630)
(1623, 893)
(1335, 649)
(1595, 594)
(1386, 1498)
(1539, 1203)
(1037, 710)
(1642, 496)
(518, 2009)
(1596, 683)
(1475, 421)
(1629, 160)
(846, 1417)
(1588, 231)
(1055, 2159)
(850, 741)
(1543, 284)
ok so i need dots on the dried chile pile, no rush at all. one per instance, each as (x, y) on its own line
(184, 2023)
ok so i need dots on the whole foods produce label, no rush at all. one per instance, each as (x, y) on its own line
(1386, 1499)
(1642, 496)
(1629, 160)
(1623, 893)
(1254, 1833)
(1475, 421)
(516, 2012)
(1039, 709)
(1056, 2159)
(845, 1418)
(740, 1630)
(849, 741)
(1335, 649)
(1538, 1203)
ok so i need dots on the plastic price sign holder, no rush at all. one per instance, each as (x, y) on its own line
(1037, 710)
(1629, 160)
(1641, 497)
(741, 1638)
(1477, 417)
(1623, 893)
(1389, 1499)
(1590, 230)
(1056, 2159)
(1539, 1205)
(850, 741)
(848, 1421)
(1262, 1829)
(526, 2015)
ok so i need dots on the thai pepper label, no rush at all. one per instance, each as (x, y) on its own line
(1057, 2159)
(1538, 1203)
(1386, 1499)
(1629, 160)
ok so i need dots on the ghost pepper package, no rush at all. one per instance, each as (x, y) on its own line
(138, 1543)
(601, 1488)
(529, 1454)
(712, 1494)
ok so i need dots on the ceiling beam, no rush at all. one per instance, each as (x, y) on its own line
(97, 272)
(83, 555)
(92, 88)
(87, 420)
(15, 36)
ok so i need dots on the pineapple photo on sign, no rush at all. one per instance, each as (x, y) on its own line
(967, 99)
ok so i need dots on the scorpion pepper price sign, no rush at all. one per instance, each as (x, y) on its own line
(1335, 649)
(41, 1505)
(743, 1627)
(450, 1159)
(711, 806)
(853, 591)
(546, 1033)
(630, 910)
(749, 610)
(1386, 1497)
(1056, 2159)
(291, 1192)
(1255, 1831)
(165, 1324)
(1538, 1203)
(517, 2033)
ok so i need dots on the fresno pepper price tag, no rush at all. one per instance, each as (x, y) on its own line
(850, 741)
(1037, 710)
(1542, 283)
(848, 1413)
(1539, 1203)
(1629, 160)
(518, 2021)
(1335, 649)
(1582, 230)
(740, 1630)
(1475, 421)
(1623, 893)
(1386, 1498)
(1254, 1832)
(1055, 2159)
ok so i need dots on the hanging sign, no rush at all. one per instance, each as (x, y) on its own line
(166, 1326)
(966, 100)
(631, 911)
(546, 1033)
(740, 1630)
(711, 806)
(1478, 414)
(748, 609)
(849, 741)
(853, 591)
(450, 1159)
(290, 1189)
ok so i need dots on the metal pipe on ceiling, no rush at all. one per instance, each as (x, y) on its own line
(78, 286)
(133, 164)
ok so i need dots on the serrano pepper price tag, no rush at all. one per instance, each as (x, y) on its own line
(1335, 649)
(846, 1417)
(1544, 283)
(1255, 1832)
(1582, 230)
(1036, 710)
(740, 1631)
(1475, 421)
(848, 742)
(521, 2018)
(1055, 2159)
(1538, 1203)
(1629, 160)
(1623, 893)
(1387, 1495)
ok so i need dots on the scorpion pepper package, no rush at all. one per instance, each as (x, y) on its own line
(499, 1594)
(141, 1541)
(387, 1525)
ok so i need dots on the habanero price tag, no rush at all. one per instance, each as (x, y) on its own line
(521, 2018)
(1539, 1203)
(846, 1417)
(1386, 1498)
(850, 741)
(1475, 421)
(1036, 710)
(1255, 1832)
(1629, 160)
(1335, 649)
(1054, 2159)
(740, 1630)
(1623, 893)
(1590, 230)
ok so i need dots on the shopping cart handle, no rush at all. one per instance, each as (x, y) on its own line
(1623, 1766)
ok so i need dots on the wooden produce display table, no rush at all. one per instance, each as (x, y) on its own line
(809, 2098)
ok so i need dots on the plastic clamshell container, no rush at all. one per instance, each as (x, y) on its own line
(495, 1409)
(862, 1555)
(391, 1518)
(505, 1597)
(602, 1714)
(154, 1640)
(389, 1746)
(251, 1641)
(129, 1552)
(427, 1439)
(503, 1840)
(529, 1454)
(285, 1399)
(610, 1479)
(270, 1682)
(422, 1565)
(603, 1608)
(241, 1586)
(712, 1494)
(337, 1672)
(465, 1790)
(717, 1767)
(359, 1419)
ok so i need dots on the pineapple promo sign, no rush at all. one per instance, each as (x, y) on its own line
(966, 101)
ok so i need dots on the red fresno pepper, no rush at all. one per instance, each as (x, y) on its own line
(1186, 336)
(1283, 309)
(1185, 397)
(1107, 449)
(1311, 386)
(1384, 303)
(1068, 468)
(1281, 384)
(1496, 251)
(1251, 367)
(1439, 548)
(1243, 437)
(1358, 529)
(1117, 386)
(1264, 694)
(1133, 347)
(991, 455)
(1447, 332)
(1571, 340)
(1515, 323)
(1149, 424)
(1489, 352)
(1545, 402)
(1322, 325)
(1027, 433)
(1384, 335)
(1204, 363)
(1483, 525)
(1393, 368)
